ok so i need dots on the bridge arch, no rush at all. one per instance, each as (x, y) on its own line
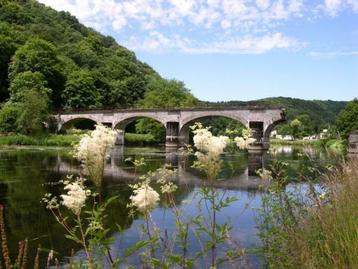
(122, 124)
(184, 131)
(270, 128)
(75, 121)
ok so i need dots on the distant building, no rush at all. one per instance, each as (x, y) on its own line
(323, 134)
(274, 134)
(288, 138)
(353, 143)
(311, 137)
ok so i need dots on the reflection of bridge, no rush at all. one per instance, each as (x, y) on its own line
(116, 172)
(177, 121)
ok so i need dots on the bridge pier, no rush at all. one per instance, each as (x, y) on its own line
(172, 134)
(120, 138)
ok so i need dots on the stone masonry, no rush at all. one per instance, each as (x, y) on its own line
(177, 121)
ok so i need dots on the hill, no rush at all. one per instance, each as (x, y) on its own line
(81, 67)
(321, 112)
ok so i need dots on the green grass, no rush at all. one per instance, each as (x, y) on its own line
(41, 140)
(140, 139)
(324, 233)
(65, 140)
(295, 142)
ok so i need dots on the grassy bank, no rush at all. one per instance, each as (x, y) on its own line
(65, 140)
(334, 144)
(42, 140)
(140, 139)
(320, 232)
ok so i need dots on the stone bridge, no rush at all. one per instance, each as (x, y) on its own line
(261, 120)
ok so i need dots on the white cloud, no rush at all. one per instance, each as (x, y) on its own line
(225, 24)
(353, 4)
(239, 26)
(239, 45)
(247, 45)
(263, 4)
(332, 6)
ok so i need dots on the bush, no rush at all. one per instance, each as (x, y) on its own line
(8, 117)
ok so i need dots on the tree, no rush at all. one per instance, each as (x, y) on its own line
(28, 107)
(80, 91)
(34, 112)
(145, 126)
(7, 49)
(163, 94)
(307, 126)
(38, 55)
(295, 127)
(28, 81)
(9, 114)
(167, 94)
(347, 119)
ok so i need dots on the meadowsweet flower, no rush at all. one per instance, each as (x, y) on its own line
(168, 187)
(264, 174)
(93, 149)
(246, 139)
(50, 201)
(144, 198)
(209, 148)
(76, 196)
(205, 142)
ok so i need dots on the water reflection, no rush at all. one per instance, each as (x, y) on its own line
(27, 174)
(239, 170)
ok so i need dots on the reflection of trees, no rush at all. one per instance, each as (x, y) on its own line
(25, 173)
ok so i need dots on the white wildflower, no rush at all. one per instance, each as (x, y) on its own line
(265, 174)
(209, 148)
(168, 187)
(246, 139)
(144, 197)
(205, 142)
(93, 149)
(76, 196)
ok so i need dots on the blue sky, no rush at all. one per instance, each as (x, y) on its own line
(237, 49)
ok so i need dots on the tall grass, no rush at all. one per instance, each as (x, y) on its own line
(140, 139)
(43, 140)
(324, 232)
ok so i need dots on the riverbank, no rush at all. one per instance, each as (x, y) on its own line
(57, 140)
(318, 233)
(332, 144)
(67, 140)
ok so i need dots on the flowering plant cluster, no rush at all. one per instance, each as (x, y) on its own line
(92, 151)
(246, 139)
(209, 148)
(74, 200)
(76, 195)
(144, 197)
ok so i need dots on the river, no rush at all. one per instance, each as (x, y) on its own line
(27, 173)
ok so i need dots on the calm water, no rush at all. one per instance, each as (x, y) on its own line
(26, 174)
